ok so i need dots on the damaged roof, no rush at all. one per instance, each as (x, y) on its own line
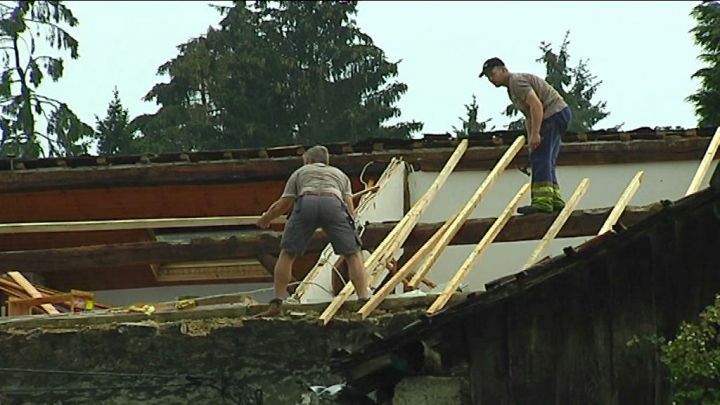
(518, 283)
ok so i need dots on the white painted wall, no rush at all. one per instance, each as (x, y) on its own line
(387, 205)
(662, 181)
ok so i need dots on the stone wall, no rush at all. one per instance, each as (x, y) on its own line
(229, 355)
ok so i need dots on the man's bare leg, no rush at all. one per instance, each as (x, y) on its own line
(358, 276)
(283, 273)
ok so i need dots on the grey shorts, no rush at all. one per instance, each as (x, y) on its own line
(327, 212)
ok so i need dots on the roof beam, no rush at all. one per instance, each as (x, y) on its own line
(252, 244)
(255, 170)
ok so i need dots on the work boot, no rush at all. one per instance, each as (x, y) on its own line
(541, 199)
(534, 209)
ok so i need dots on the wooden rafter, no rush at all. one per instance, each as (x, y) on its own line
(479, 249)
(328, 256)
(558, 223)
(625, 198)
(379, 259)
(466, 210)
(705, 163)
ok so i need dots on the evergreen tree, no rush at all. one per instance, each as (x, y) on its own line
(22, 72)
(113, 132)
(277, 73)
(577, 86)
(470, 124)
(707, 35)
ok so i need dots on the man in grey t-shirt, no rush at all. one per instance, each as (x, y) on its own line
(322, 198)
(547, 118)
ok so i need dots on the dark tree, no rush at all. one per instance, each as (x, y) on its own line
(113, 132)
(707, 35)
(22, 108)
(577, 86)
(277, 73)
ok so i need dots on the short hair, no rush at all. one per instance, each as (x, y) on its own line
(317, 154)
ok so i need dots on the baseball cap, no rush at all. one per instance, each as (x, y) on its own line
(490, 64)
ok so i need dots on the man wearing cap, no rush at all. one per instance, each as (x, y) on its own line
(547, 118)
(322, 198)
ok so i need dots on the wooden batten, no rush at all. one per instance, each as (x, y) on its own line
(625, 198)
(559, 222)
(466, 210)
(479, 249)
(379, 258)
(705, 163)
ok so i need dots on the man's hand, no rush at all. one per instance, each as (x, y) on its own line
(534, 142)
(263, 222)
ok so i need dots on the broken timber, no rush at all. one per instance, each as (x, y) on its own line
(251, 244)
(31, 290)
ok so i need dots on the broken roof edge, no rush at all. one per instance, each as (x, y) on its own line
(426, 157)
(517, 283)
(366, 146)
(239, 307)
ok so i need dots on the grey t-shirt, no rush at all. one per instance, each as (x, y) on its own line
(519, 87)
(318, 177)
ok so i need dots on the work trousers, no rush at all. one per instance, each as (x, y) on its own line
(545, 191)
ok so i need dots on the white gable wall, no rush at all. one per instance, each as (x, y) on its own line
(662, 181)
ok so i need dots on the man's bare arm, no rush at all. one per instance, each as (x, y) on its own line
(279, 207)
(536, 116)
(350, 206)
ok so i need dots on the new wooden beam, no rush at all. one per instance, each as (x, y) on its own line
(705, 164)
(558, 223)
(479, 249)
(125, 224)
(466, 210)
(623, 201)
(380, 257)
(328, 255)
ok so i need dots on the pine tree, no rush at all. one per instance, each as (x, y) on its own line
(113, 133)
(577, 86)
(470, 124)
(707, 35)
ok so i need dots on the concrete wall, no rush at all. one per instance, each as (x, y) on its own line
(662, 181)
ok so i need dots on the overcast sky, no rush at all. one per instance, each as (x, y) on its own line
(642, 52)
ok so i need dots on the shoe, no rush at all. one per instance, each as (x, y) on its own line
(275, 307)
(534, 209)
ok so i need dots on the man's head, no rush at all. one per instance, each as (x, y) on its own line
(496, 72)
(316, 154)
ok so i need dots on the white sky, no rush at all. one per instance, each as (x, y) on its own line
(642, 51)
